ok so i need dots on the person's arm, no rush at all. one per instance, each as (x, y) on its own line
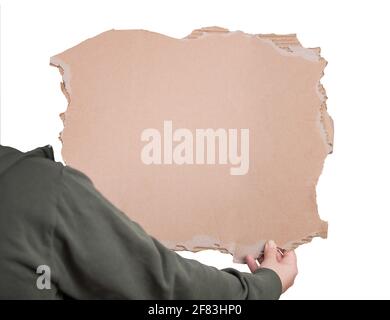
(99, 253)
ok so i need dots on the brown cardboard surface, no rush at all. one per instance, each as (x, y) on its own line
(131, 92)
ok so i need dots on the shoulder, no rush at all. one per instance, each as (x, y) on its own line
(30, 187)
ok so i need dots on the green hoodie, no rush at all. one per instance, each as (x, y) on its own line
(51, 215)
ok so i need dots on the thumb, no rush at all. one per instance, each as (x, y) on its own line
(270, 251)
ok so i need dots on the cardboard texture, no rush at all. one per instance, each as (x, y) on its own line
(140, 104)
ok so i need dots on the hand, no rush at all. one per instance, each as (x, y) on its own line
(284, 265)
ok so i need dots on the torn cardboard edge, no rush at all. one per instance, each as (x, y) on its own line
(238, 251)
(285, 44)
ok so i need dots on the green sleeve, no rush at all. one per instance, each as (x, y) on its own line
(99, 253)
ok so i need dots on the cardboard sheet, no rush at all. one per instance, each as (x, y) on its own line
(213, 141)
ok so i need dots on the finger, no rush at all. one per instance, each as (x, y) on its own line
(279, 256)
(251, 263)
(270, 251)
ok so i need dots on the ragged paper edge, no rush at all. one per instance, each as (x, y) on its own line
(65, 91)
(239, 251)
(288, 44)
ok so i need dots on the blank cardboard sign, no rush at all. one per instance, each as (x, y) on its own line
(213, 141)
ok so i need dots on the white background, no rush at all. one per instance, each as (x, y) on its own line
(353, 191)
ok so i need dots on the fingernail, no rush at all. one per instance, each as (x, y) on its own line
(272, 244)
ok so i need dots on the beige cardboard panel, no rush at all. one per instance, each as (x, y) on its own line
(122, 82)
